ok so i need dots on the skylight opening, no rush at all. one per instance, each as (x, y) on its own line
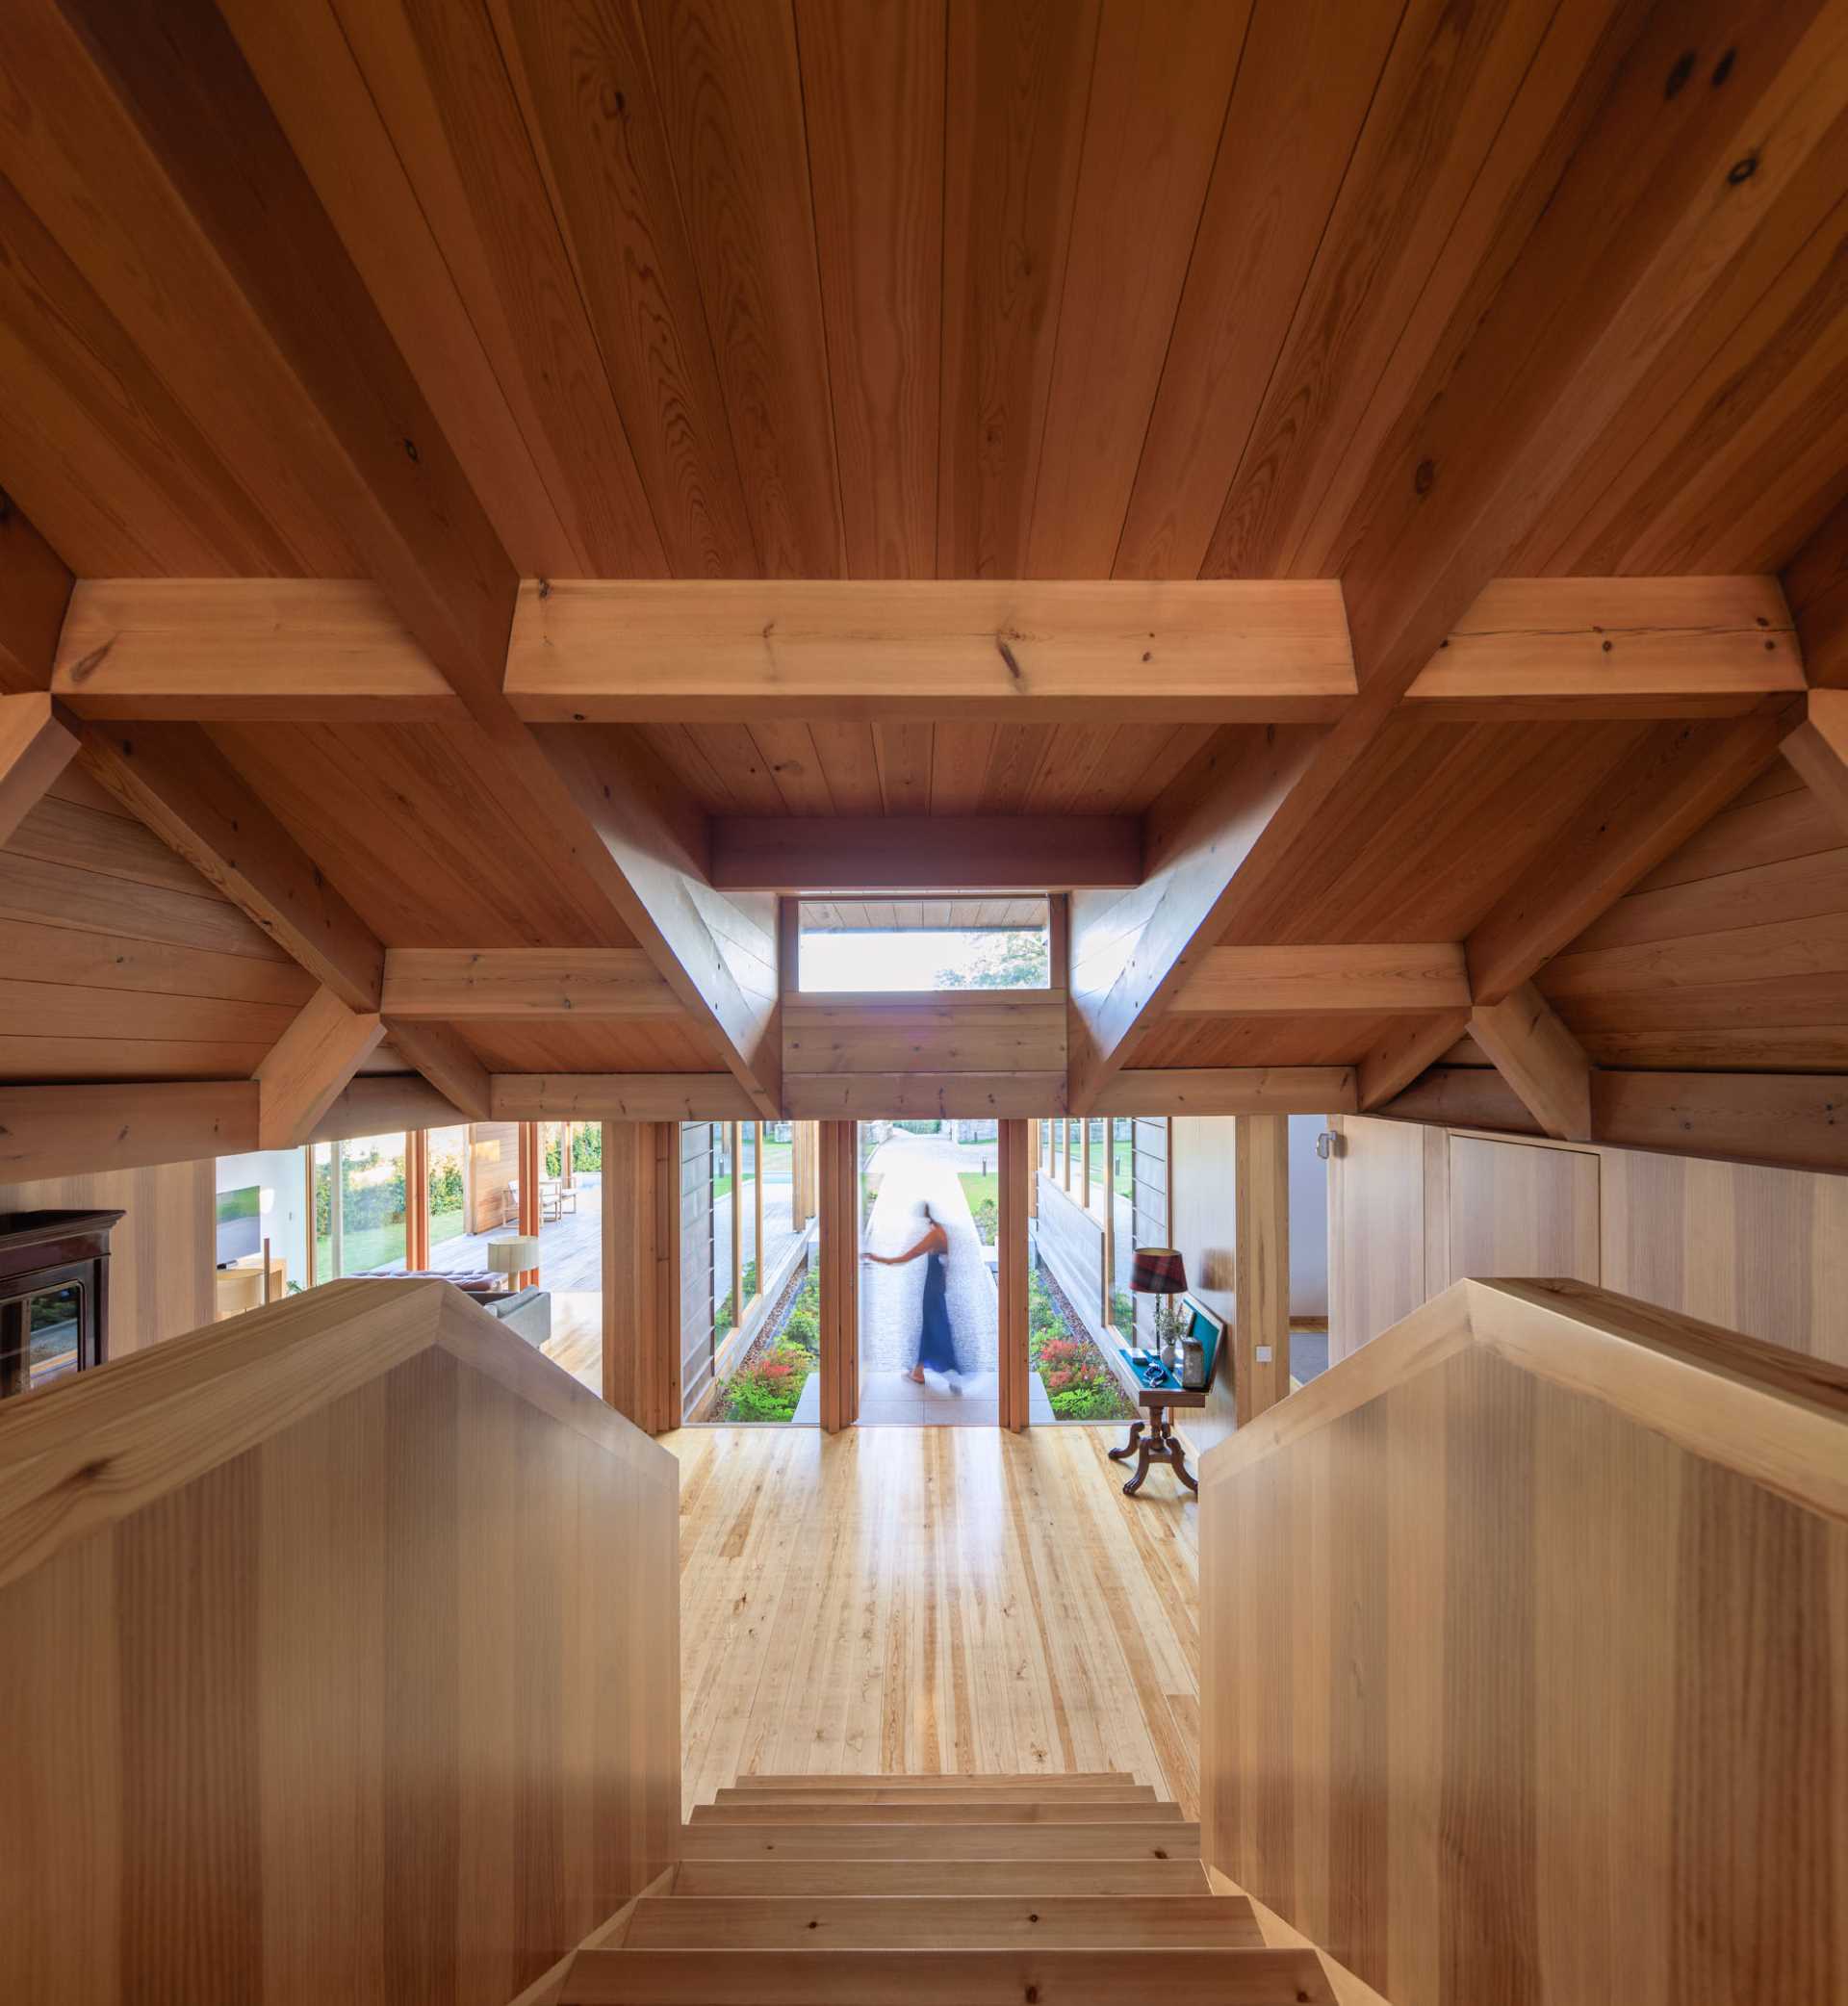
(924, 945)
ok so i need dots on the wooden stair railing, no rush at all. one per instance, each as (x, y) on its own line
(1524, 1656)
(341, 1662)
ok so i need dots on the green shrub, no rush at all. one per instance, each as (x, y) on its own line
(768, 1388)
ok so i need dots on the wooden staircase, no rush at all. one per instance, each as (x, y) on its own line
(937, 1891)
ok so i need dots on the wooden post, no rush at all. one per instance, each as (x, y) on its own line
(528, 1221)
(1110, 1223)
(1083, 1165)
(1016, 1167)
(1261, 1231)
(798, 1150)
(1035, 1130)
(314, 1239)
(733, 1134)
(756, 1197)
(839, 1194)
(641, 1296)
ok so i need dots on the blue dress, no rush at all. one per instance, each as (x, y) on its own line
(935, 1347)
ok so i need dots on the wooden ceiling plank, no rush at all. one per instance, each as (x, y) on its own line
(1091, 651)
(1306, 80)
(872, 92)
(787, 748)
(1017, 86)
(1230, 1090)
(1540, 1058)
(721, 962)
(619, 1096)
(218, 650)
(1365, 976)
(802, 854)
(1818, 750)
(178, 783)
(1161, 84)
(445, 1059)
(1678, 777)
(729, 95)
(35, 747)
(35, 590)
(1602, 646)
(452, 983)
(310, 1067)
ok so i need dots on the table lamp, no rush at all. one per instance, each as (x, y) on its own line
(1161, 1272)
(513, 1256)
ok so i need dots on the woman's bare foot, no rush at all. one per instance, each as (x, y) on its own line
(917, 1375)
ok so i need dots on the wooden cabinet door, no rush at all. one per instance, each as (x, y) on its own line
(1518, 1211)
(1375, 1230)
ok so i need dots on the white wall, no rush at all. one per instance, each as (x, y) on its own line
(280, 1174)
(1308, 1219)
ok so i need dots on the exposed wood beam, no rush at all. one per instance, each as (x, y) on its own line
(1598, 648)
(1019, 650)
(124, 1125)
(1818, 749)
(1676, 778)
(379, 1103)
(1230, 1090)
(35, 588)
(619, 1096)
(1404, 1053)
(1540, 1058)
(1799, 1121)
(1517, 388)
(456, 983)
(1351, 979)
(35, 748)
(443, 1058)
(963, 854)
(265, 649)
(310, 1068)
(184, 788)
(719, 958)
(1815, 581)
(845, 1096)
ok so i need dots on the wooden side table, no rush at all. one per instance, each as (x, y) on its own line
(1154, 1441)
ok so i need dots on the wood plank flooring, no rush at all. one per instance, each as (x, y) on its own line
(934, 1599)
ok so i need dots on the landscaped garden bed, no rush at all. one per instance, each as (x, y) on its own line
(1079, 1379)
(768, 1385)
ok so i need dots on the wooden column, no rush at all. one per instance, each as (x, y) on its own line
(798, 1171)
(1261, 1229)
(839, 1194)
(641, 1221)
(417, 1199)
(529, 1217)
(1110, 1220)
(1014, 1180)
(1034, 1131)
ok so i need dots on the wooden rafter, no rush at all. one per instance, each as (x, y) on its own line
(1815, 581)
(1818, 749)
(36, 746)
(1019, 652)
(184, 788)
(34, 589)
(619, 1096)
(457, 983)
(965, 854)
(443, 1058)
(1365, 976)
(310, 1068)
(1540, 1058)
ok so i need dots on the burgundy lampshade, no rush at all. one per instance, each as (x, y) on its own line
(1159, 1270)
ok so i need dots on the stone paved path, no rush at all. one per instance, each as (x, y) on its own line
(911, 1169)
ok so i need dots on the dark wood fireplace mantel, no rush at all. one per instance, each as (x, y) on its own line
(54, 1295)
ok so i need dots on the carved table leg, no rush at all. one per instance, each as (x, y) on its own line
(1122, 1454)
(1143, 1456)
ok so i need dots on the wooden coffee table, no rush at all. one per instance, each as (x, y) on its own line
(1153, 1440)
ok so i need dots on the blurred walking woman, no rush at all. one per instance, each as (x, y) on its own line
(935, 1347)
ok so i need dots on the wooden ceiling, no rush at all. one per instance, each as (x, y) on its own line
(417, 299)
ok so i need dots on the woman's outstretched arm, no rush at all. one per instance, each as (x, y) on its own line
(934, 1240)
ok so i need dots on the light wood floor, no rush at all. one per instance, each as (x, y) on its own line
(933, 1599)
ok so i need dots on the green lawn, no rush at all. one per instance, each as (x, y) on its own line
(373, 1247)
(983, 1191)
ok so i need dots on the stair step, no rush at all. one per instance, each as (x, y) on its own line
(992, 1793)
(948, 1779)
(1109, 1878)
(940, 1922)
(944, 1978)
(1041, 1810)
(925, 1841)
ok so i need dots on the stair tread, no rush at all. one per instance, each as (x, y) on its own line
(992, 1793)
(726, 1841)
(946, 1921)
(897, 1780)
(1037, 1810)
(1187, 1977)
(857, 1876)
